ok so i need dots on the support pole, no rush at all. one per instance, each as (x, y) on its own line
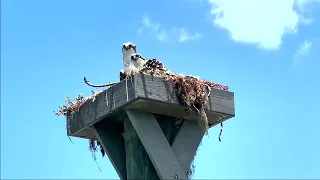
(186, 143)
(139, 165)
(156, 145)
(109, 135)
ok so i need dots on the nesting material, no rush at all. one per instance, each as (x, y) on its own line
(75, 105)
(193, 94)
(94, 146)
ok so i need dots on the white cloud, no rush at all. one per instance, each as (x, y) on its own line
(160, 34)
(167, 35)
(184, 35)
(303, 50)
(260, 22)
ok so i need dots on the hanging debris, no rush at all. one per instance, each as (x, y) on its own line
(93, 147)
(221, 129)
(193, 95)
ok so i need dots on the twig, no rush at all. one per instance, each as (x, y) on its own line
(194, 107)
(100, 85)
(209, 89)
(70, 139)
(95, 160)
(220, 131)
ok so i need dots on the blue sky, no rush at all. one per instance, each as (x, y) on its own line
(266, 51)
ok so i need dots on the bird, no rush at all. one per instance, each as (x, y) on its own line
(138, 61)
(133, 61)
(128, 49)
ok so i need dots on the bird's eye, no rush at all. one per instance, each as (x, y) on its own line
(124, 46)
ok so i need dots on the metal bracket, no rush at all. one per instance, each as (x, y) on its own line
(169, 162)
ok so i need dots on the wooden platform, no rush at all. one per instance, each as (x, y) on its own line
(147, 93)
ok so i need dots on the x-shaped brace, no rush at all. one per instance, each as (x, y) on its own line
(169, 162)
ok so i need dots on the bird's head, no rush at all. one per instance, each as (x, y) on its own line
(135, 57)
(129, 46)
(138, 60)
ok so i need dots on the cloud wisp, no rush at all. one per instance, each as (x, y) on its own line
(184, 35)
(155, 30)
(303, 50)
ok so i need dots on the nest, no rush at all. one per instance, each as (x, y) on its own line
(193, 95)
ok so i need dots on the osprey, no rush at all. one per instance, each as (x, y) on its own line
(133, 62)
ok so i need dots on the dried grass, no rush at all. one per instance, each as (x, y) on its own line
(75, 105)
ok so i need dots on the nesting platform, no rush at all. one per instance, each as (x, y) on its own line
(132, 121)
(146, 93)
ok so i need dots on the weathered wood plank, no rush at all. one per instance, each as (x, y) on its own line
(222, 102)
(148, 93)
(176, 111)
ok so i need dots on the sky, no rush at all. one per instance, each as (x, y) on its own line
(266, 51)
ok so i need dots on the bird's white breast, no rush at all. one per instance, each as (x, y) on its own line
(127, 58)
